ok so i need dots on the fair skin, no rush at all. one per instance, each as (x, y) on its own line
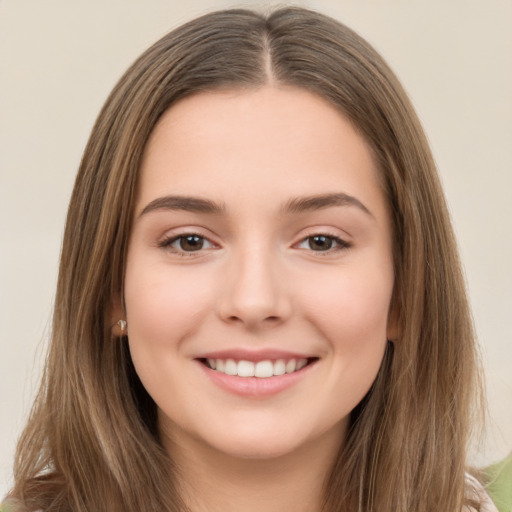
(281, 262)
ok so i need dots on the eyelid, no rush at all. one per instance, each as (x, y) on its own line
(341, 243)
(167, 241)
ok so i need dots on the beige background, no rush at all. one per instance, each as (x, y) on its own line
(60, 58)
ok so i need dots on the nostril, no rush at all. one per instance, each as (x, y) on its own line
(269, 319)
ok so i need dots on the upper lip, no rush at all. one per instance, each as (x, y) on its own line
(254, 355)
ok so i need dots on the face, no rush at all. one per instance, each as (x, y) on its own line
(259, 272)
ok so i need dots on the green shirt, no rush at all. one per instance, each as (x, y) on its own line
(499, 484)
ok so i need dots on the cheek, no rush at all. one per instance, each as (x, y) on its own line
(164, 305)
(355, 316)
(351, 308)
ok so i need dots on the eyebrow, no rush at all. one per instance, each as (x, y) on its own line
(294, 205)
(318, 202)
(185, 203)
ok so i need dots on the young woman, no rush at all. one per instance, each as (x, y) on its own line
(260, 303)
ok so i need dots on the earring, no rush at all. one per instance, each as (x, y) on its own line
(122, 325)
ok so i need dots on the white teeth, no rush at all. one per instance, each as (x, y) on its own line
(262, 369)
(279, 367)
(290, 366)
(230, 367)
(300, 364)
(245, 369)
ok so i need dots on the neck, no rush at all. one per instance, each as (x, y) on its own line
(211, 481)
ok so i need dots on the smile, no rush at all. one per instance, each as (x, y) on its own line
(256, 375)
(262, 369)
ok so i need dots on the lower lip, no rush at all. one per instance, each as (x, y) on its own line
(255, 386)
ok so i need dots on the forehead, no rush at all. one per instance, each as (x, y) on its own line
(254, 116)
(254, 144)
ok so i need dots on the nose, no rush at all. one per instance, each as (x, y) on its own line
(255, 291)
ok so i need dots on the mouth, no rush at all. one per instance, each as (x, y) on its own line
(256, 374)
(263, 369)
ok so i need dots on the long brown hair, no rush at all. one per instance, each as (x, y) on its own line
(92, 443)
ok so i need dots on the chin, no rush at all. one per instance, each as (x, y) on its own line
(266, 441)
(256, 448)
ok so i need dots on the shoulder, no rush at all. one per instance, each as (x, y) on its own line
(12, 505)
(498, 480)
(476, 492)
(9, 506)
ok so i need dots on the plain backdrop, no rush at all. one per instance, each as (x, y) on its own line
(60, 58)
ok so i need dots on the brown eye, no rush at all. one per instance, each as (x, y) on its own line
(320, 242)
(190, 243)
(187, 243)
(323, 243)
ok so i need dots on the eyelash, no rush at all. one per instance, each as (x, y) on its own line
(167, 243)
(340, 244)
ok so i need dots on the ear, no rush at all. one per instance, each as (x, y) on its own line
(116, 317)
